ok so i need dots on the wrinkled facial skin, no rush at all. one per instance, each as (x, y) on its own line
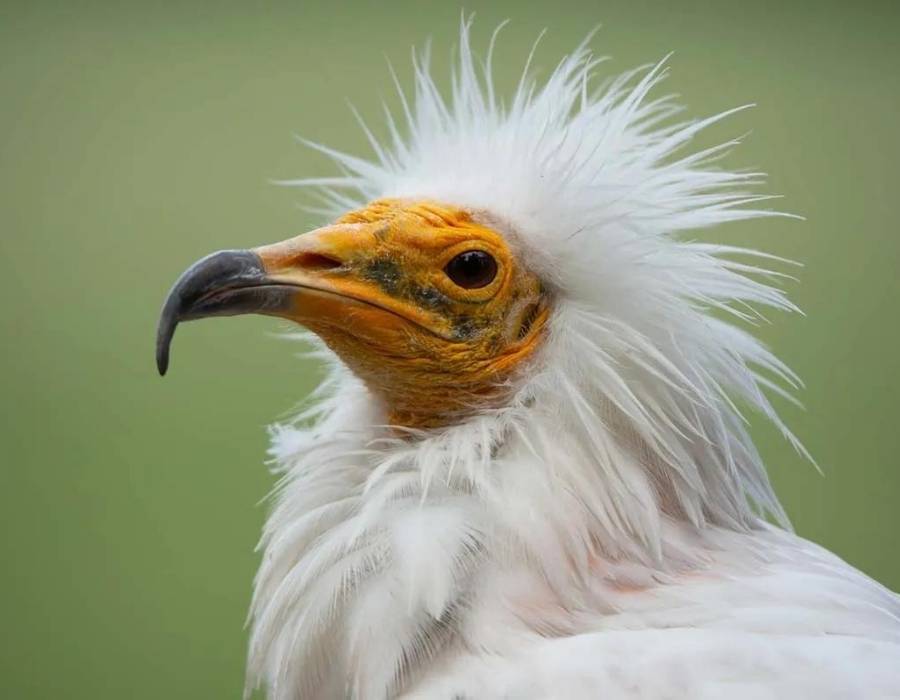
(379, 288)
(431, 350)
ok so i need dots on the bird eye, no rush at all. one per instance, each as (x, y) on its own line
(472, 270)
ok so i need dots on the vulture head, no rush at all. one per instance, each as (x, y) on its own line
(540, 374)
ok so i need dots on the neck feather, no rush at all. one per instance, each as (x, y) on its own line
(583, 474)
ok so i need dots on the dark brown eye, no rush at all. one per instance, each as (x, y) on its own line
(472, 270)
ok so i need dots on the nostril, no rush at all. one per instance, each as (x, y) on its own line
(316, 261)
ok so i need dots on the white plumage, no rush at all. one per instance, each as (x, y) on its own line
(602, 534)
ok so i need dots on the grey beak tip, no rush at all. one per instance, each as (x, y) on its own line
(162, 361)
(168, 320)
(220, 270)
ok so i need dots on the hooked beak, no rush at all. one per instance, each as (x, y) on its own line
(226, 283)
(313, 279)
(289, 279)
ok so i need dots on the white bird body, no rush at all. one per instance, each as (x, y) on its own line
(497, 592)
(794, 623)
(602, 533)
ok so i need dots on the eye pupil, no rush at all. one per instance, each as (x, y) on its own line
(472, 269)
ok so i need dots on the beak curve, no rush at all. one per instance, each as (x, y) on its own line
(226, 283)
(322, 279)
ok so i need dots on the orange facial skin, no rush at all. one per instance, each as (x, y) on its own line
(374, 287)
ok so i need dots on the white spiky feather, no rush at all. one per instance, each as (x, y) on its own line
(602, 535)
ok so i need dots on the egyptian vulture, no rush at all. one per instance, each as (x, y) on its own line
(528, 474)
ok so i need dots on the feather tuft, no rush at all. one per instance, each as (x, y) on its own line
(623, 459)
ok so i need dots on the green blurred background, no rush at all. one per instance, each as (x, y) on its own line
(136, 137)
